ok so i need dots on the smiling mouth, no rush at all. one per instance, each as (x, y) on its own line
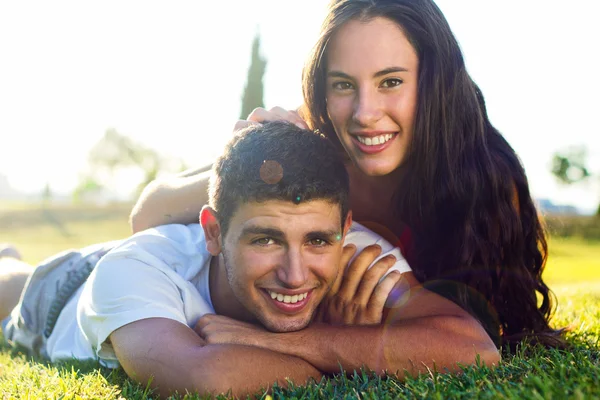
(284, 298)
(375, 140)
(288, 304)
(374, 144)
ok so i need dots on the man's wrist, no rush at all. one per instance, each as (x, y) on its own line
(299, 344)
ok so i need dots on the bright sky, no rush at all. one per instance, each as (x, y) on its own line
(170, 75)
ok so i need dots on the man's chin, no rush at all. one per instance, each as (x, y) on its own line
(286, 326)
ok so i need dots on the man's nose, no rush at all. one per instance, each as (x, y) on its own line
(293, 272)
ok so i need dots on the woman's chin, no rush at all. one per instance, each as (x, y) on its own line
(377, 169)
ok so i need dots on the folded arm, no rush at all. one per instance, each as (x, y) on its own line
(421, 331)
(175, 358)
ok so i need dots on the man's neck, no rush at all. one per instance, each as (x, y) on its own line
(221, 295)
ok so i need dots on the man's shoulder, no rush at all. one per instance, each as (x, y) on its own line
(360, 234)
(173, 244)
(361, 237)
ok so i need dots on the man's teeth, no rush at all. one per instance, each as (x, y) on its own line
(372, 141)
(287, 298)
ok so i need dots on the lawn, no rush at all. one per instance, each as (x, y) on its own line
(573, 272)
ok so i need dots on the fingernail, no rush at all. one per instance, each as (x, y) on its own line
(300, 125)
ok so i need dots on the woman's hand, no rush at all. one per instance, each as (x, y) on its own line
(359, 294)
(260, 115)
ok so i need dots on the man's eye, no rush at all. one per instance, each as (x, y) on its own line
(264, 241)
(392, 82)
(318, 242)
(342, 85)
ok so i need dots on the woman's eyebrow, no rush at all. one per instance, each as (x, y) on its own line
(338, 74)
(389, 70)
(386, 71)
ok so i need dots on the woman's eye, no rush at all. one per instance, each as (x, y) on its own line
(264, 241)
(342, 85)
(392, 82)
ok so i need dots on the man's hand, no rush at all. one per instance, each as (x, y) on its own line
(218, 329)
(359, 295)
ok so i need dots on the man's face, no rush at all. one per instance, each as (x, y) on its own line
(282, 258)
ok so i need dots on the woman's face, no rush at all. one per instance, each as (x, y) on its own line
(372, 93)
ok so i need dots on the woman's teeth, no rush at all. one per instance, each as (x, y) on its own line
(375, 140)
(284, 298)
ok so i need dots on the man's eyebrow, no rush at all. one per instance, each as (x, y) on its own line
(390, 70)
(260, 230)
(330, 235)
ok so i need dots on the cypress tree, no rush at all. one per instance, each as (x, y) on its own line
(253, 92)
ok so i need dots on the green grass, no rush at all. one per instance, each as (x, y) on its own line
(573, 272)
(572, 260)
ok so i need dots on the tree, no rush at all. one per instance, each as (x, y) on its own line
(115, 151)
(88, 186)
(569, 167)
(47, 193)
(253, 92)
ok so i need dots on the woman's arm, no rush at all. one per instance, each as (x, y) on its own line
(174, 200)
(179, 199)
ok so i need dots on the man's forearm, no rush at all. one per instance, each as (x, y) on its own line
(174, 358)
(245, 370)
(215, 369)
(411, 345)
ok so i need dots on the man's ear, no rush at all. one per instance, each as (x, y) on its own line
(212, 230)
(348, 222)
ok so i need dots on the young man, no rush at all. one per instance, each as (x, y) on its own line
(229, 304)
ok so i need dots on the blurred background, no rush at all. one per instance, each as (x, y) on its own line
(98, 98)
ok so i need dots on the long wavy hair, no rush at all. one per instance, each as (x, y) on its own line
(478, 239)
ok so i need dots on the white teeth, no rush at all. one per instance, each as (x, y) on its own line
(373, 141)
(287, 298)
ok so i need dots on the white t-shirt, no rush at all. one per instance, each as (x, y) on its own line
(160, 272)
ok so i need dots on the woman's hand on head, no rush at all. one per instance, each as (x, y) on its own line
(260, 115)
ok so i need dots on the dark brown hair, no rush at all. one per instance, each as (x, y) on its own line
(478, 239)
(277, 161)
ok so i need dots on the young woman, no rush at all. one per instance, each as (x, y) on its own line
(387, 82)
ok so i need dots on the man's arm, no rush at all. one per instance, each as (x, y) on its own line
(177, 359)
(423, 330)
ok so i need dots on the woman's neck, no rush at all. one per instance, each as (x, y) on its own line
(372, 198)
